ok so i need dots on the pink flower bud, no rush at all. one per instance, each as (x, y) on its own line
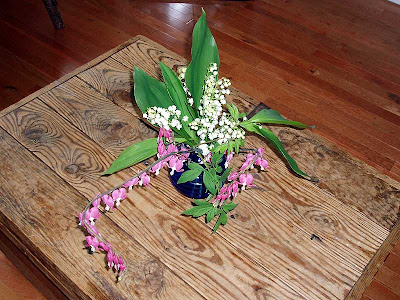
(110, 259)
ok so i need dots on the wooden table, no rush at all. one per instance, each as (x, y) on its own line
(288, 238)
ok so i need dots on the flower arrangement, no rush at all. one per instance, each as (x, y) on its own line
(199, 133)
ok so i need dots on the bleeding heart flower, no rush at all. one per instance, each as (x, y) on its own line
(157, 167)
(263, 163)
(245, 180)
(104, 247)
(110, 259)
(144, 179)
(131, 183)
(228, 159)
(81, 220)
(119, 195)
(175, 164)
(93, 214)
(235, 188)
(108, 202)
(116, 263)
(93, 243)
(247, 162)
(232, 176)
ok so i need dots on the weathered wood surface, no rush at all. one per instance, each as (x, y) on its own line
(68, 136)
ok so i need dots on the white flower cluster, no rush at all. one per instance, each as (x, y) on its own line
(228, 129)
(213, 124)
(182, 72)
(164, 117)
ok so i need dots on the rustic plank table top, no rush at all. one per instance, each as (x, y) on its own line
(288, 238)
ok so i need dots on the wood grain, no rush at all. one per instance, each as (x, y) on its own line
(150, 216)
(74, 92)
(57, 242)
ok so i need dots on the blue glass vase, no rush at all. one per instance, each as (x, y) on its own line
(194, 189)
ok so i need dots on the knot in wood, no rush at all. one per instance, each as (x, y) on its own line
(72, 169)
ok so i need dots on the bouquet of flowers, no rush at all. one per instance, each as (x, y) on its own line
(199, 133)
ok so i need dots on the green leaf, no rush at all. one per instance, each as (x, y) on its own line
(204, 52)
(217, 224)
(224, 218)
(220, 148)
(201, 211)
(219, 169)
(277, 144)
(197, 211)
(202, 202)
(195, 166)
(273, 117)
(176, 92)
(189, 175)
(133, 154)
(149, 92)
(211, 214)
(225, 175)
(233, 110)
(229, 206)
(209, 182)
(216, 158)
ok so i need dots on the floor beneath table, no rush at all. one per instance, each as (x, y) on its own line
(353, 33)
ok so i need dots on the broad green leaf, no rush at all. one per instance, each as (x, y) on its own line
(233, 110)
(224, 218)
(149, 92)
(189, 175)
(133, 154)
(176, 92)
(273, 117)
(204, 52)
(277, 144)
(216, 158)
(202, 202)
(195, 166)
(191, 211)
(210, 214)
(219, 169)
(209, 182)
(197, 211)
(220, 148)
(201, 211)
(229, 206)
